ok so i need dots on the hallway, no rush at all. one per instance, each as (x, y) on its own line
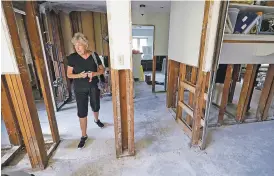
(161, 146)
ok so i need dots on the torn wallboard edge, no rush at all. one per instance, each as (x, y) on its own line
(211, 36)
(9, 66)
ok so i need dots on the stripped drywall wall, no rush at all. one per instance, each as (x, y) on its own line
(185, 31)
(67, 33)
(104, 28)
(161, 22)
(88, 28)
(94, 26)
(98, 33)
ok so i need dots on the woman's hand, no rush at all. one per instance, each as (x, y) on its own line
(83, 75)
(91, 75)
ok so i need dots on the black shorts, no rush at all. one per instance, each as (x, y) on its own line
(82, 96)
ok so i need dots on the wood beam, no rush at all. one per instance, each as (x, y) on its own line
(201, 79)
(247, 87)
(116, 111)
(37, 53)
(173, 74)
(9, 115)
(235, 76)
(122, 95)
(22, 98)
(266, 94)
(206, 89)
(224, 101)
(269, 101)
(254, 84)
(191, 95)
(153, 72)
(181, 91)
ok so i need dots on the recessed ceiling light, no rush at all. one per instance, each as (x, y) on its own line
(161, 7)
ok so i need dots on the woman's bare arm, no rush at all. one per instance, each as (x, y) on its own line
(100, 71)
(75, 76)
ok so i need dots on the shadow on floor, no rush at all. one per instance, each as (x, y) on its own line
(67, 108)
(73, 143)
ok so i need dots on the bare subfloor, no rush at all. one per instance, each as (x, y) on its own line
(161, 146)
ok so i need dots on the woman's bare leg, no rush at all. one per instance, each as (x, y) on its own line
(96, 116)
(83, 125)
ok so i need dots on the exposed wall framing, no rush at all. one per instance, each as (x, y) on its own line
(22, 98)
(20, 90)
(227, 84)
(172, 87)
(265, 100)
(187, 119)
(37, 53)
(193, 79)
(246, 92)
(121, 79)
(94, 25)
(266, 95)
(9, 115)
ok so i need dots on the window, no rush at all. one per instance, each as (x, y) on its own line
(135, 44)
(138, 43)
(143, 42)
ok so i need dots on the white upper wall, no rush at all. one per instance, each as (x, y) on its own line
(186, 19)
(161, 22)
(142, 32)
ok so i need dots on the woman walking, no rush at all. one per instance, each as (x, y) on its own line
(82, 68)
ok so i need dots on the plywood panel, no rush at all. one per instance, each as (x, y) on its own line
(88, 28)
(98, 33)
(185, 31)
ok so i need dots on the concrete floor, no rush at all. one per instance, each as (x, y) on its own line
(159, 77)
(161, 146)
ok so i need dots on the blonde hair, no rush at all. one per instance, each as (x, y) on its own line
(79, 37)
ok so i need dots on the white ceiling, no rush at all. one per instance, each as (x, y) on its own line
(100, 6)
(151, 6)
